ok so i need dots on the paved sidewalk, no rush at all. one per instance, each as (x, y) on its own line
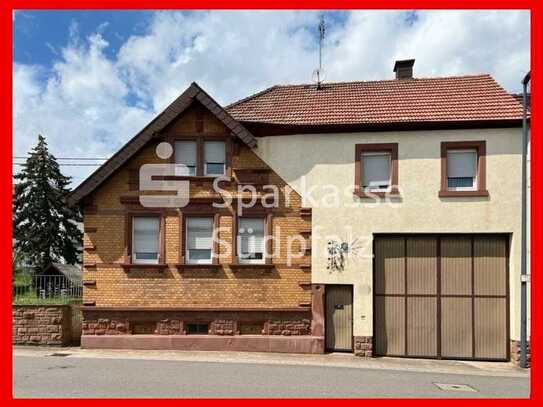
(343, 360)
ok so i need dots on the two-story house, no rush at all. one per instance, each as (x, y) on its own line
(199, 271)
(404, 195)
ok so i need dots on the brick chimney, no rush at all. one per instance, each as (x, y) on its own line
(404, 69)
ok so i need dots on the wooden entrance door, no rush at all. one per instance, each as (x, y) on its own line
(339, 317)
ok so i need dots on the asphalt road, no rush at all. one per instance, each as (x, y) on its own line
(53, 376)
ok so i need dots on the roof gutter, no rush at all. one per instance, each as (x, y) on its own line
(524, 278)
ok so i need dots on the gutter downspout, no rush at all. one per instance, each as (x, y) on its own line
(524, 232)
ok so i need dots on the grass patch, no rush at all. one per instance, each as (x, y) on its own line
(30, 298)
(22, 279)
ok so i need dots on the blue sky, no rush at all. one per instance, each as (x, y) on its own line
(39, 36)
(91, 79)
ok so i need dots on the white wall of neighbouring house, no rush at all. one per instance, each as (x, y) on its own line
(317, 161)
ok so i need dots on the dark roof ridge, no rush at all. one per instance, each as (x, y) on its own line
(292, 85)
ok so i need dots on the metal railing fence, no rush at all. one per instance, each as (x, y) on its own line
(47, 289)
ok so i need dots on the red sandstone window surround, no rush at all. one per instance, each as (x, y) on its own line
(463, 169)
(252, 244)
(376, 170)
(144, 239)
(191, 246)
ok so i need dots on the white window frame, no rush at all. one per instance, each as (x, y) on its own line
(475, 186)
(377, 153)
(187, 249)
(241, 260)
(205, 161)
(134, 257)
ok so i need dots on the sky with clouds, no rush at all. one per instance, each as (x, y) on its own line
(89, 80)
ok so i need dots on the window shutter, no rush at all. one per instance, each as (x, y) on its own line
(461, 164)
(376, 169)
(146, 235)
(185, 152)
(199, 233)
(251, 232)
(214, 152)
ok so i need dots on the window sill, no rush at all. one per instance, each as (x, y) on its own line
(251, 266)
(460, 194)
(159, 266)
(209, 178)
(393, 193)
(189, 266)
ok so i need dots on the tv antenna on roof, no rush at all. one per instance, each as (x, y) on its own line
(318, 74)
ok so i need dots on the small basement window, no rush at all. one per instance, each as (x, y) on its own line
(143, 327)
(251, 328)
(197, 329)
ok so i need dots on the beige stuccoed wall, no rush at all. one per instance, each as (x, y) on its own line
(324, 160)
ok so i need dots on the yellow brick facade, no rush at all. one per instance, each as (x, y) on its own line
(284, 286)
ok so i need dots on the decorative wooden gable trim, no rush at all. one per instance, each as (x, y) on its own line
(193, 93)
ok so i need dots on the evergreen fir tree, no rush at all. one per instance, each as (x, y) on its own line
(44, 227)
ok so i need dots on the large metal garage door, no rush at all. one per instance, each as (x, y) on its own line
(441, 296)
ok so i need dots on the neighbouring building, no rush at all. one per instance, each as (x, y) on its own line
(407, 192)
(58, 280)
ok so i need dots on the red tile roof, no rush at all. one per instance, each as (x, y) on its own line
(519, 97)
(419, 100)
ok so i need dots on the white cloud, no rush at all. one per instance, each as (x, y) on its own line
(228, 53)
(89, 104)
(80, 108)
(442, 42)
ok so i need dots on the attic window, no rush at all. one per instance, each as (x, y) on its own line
(201, 157)
(185, 157)
(215, 158)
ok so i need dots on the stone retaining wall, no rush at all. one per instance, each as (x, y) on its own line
(102, 322)
(41, 325)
